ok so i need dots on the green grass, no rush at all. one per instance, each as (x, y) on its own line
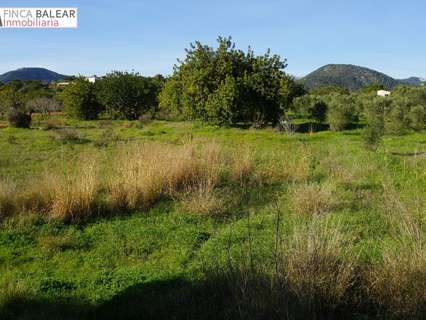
(166, 262)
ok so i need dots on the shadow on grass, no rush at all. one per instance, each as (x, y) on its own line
(408, 154)
(229, 297)
(307, 127)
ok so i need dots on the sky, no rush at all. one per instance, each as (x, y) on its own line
(148, 36)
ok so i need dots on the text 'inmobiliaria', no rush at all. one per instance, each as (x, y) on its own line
(38, 17)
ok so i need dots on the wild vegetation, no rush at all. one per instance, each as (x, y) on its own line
(225, 191)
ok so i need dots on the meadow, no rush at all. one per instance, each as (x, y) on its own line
(181, 220)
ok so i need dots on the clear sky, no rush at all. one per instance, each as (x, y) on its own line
(148, 36)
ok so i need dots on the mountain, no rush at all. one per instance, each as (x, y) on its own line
(352, 77)
(414, 81)
(40, 74)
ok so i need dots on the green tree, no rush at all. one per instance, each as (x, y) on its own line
(341, 111)
(417, 117)
(374, 129)
(372, 88)
(80, 101)
(312, 106)
(228, 86)
(327, 90)
(127, 95)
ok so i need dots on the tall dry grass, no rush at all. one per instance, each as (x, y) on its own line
(151, 171)
(242, 165)
(75, 195)
(313, 199)
(397, 282)
(286, 166)
(7, 201)
(318, 266)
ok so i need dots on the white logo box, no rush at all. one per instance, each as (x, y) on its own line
(41, 18)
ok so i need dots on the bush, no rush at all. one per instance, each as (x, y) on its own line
(341, 112)
(373, 132)
(67, 135)
(315, 107)
(107, 136)
(19, 119)
(52, 124)
(395, 120)
(80, 101)
(417, 117)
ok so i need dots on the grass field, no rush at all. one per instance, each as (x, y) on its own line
(178, 220)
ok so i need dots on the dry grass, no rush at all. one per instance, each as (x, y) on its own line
(7, 201)
(38, 194)
(75, 195)
(313, 199)
(10, 292)
(242, 166)
(53, 244)
(204, 200)
(289, 165)
(151, 171)
(398, 282)
(317, 265)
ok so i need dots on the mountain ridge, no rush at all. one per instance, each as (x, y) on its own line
(352, 77)
(32, 73)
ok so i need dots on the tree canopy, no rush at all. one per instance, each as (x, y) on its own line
(227, 86)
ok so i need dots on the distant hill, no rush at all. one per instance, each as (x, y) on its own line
(40, 74)
(414, 81)
(352, 77)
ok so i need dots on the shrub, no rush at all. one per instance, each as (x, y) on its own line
(395, 120)
(67, 135)
(107, 136)
(341, 112)
(80, 101)
(52, 124)
(374, 130)
(372, 136)
(417, 117)
(314, 106)
(286, 124)
(19, 118)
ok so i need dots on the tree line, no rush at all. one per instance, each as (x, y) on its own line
(222, 86)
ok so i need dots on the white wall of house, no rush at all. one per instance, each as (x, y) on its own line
(91, 79)
(383, 93)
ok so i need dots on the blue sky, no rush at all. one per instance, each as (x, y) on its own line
(148, 36)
